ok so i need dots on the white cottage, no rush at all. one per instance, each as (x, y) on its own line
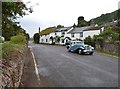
(55, 36)
(80, 33)
(63, 35)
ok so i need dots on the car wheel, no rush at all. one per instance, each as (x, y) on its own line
(80, 51)
(91, 53)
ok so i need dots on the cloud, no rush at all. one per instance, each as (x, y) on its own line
(65, 12)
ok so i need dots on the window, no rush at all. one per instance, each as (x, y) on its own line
(81, 34)
(42, 40)
(63, 33)
(55, 33)
(46, 40)
(72, 35)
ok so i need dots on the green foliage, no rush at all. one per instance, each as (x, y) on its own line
(27, 37)
(57, 39)
(88, 40)
(9, 47)
(36, 38)
(110, 35)
(19, 39)
(10, 12)
(60, 26)
(104, 18)
(100, 41)
(81, 22)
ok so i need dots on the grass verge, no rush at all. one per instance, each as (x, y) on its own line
(111, 54)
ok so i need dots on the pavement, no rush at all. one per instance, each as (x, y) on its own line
(59, 68)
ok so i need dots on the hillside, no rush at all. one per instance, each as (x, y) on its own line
(104, 18)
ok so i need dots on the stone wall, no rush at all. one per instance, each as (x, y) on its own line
(112, 47)
(11, 69)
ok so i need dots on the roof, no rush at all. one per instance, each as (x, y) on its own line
(86, 28)
(47, 31)
(62, 29)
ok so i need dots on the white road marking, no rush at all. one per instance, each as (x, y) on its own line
(36, 69)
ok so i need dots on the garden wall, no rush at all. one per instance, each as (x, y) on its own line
(111, 47)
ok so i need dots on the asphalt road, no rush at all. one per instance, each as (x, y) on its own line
(60, 68)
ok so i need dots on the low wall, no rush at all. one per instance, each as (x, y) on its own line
(11, 68)
(112, 47)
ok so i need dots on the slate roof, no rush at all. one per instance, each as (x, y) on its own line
(62, 29)
(86, 28)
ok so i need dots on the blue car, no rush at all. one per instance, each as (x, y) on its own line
(80, 48)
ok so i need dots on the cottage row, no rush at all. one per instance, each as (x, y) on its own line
(63, 35)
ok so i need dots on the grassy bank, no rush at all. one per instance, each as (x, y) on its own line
(12, 47)
(111, 54)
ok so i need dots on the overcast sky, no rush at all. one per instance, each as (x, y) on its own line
(65, 12)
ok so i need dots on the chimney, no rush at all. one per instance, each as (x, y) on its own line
(39, 29)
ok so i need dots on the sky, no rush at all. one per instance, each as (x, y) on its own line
(48, 13)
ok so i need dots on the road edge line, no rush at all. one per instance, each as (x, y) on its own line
(35, 64)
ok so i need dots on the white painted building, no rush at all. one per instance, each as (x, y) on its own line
(80, 33)
(69, 33)
(51, 37)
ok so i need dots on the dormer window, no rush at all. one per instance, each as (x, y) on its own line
(55, 33)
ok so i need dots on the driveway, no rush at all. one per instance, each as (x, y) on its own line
(59, 68)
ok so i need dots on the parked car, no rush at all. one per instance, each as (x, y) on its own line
(80, 48)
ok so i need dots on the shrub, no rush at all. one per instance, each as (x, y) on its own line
(57, 39)
(19, 39)
(36, 38)
(88, 40)
(100, 41)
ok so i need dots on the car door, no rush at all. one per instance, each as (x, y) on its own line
(73, 48)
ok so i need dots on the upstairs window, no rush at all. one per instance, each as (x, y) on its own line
(63, 33)
(81, 34)
(72, 34)
(55, 33)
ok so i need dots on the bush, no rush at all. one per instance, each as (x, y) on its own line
(57, 39)
(100, 41)
(88, 40)
(8, 48)
(36, 38)
(19, 39)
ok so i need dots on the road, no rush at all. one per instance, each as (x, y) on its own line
(60, 68)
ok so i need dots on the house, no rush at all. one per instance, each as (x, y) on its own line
(60, 34)
(80, 33)
(46, 35)
(63, 35)
(54, 35)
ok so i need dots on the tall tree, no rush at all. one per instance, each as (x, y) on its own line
(81, 22)
(10, 12)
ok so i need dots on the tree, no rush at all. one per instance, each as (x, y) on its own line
(10, 12)
(60, 26)
(81, 22)
(27, 36)
(88, 40)
(36, 38)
